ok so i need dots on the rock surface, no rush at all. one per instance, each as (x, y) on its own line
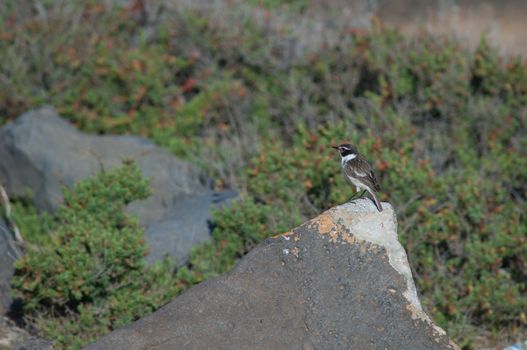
(40, 153)
(187, 222)
(8, 255)
(339, 281)
(14, 338)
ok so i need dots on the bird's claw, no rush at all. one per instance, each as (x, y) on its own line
(357, 195)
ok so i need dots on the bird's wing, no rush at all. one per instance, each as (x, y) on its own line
(359, 168)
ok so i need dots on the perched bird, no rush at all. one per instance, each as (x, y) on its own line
(359, 171)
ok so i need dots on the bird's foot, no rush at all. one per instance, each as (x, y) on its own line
(357, 195)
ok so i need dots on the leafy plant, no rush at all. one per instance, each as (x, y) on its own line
(92, 276)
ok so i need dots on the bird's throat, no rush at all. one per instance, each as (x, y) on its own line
(348, 157)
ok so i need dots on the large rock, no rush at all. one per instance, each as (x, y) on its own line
(40, 153)
(8, 254)
(339, 281)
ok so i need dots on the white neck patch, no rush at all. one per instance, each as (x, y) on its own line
(347, 158)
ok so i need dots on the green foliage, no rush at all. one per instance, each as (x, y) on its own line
(34, 225)
(257, 107)
(91, 276)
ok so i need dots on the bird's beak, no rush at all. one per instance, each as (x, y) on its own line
(335, 147)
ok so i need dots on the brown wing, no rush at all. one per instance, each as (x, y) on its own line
(360, 169)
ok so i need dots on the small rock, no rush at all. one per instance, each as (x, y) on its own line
(14, 338)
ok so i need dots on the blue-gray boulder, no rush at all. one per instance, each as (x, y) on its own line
(40, 153)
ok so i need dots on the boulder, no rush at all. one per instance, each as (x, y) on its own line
(8, 254)
(339, 281)
(40, 153)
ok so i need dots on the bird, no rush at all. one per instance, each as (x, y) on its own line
(359, 171)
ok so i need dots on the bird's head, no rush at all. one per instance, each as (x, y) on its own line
(346, 149)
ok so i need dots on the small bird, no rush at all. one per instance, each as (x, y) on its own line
(359, 171)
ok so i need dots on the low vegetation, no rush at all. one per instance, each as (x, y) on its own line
(444, 126)
(91, 276)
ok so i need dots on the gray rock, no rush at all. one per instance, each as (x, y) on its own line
(186, 223)
(40, 153)
(8, 255)
(34, 343)
(339, 281)
(12, 337)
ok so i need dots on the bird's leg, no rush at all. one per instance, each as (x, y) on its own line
(362, 193)
(356, 194)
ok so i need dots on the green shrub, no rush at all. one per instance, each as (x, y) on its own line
(35, 225)
(92, 277)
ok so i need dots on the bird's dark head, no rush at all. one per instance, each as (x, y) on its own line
(345, 149)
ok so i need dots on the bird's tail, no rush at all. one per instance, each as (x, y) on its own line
(375, 200)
